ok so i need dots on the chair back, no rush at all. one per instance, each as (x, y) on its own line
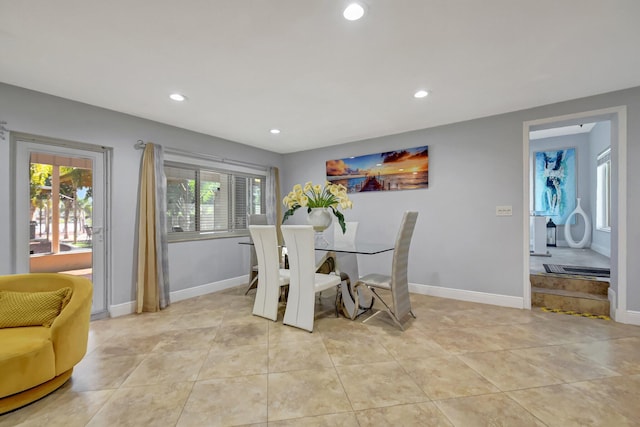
(348, 237)
(258, 219)
(304, 283)
(399, 269)
(347, 264)
(300, 247)
(265, 243)
(255, 219)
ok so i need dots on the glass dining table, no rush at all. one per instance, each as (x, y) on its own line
(341, 259)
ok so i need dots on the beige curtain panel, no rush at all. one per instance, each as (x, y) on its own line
(152, 285)
(274, 200)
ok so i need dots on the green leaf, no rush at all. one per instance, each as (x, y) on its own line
(290, 212)
(340, 217)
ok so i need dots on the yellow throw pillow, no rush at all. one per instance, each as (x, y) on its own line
(31, 308)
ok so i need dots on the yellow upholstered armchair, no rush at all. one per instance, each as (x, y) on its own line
(44, 328)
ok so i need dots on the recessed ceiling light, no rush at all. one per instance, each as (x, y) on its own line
(353, 12)
(275, 131)
(177, 97)
(420, 94)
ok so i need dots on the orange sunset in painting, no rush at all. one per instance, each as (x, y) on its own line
(405, 169)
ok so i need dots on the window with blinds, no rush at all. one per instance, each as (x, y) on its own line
(203, 202)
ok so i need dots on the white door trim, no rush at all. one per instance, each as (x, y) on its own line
(618, 117)
(100, 157)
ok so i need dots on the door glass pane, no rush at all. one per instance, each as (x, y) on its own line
(60, 214)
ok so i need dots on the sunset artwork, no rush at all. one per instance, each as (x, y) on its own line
(406, 169)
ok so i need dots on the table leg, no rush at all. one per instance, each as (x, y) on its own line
(350, 308)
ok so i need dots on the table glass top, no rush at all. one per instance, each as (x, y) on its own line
(364, 248)
(357, 248)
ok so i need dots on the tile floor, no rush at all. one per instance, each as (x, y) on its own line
(208, 362)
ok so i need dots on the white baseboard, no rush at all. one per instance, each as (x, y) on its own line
(208, 288)
(629, 317)
(122, 309)
(464, 295)
(613, 303)
(182, 294)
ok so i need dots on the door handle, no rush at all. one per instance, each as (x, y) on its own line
(97, 233)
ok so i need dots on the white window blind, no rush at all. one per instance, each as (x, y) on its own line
(203, 202)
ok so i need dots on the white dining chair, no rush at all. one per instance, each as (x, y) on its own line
(254, 219)
(347, 265)
(398, 282)
(348, 237)
(271, 277)
(304, 281)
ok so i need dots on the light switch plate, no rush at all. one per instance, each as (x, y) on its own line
(504, 211)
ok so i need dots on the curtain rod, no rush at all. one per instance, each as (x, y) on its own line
(141, 144)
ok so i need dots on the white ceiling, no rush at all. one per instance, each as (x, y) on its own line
(252, 65)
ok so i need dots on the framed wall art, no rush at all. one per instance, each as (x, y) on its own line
(555, 183)
(405, 169)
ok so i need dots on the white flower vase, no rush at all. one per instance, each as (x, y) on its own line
(587, 227)
(320, 219)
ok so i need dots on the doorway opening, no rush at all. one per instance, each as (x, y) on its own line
(606, 237)
(556, 185)
(60, 211)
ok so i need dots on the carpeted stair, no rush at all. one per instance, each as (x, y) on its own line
(579, 294)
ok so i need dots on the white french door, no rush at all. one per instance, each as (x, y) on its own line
(60, 213)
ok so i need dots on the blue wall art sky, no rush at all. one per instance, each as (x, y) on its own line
(405, 169)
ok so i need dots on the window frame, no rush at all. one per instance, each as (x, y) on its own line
(603, 202)
(234, 172)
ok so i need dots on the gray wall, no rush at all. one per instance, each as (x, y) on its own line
(473, 166)
(583, 186)
(599, 140)
(191, 263)
(459, 242)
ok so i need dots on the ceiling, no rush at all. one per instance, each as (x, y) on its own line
(561, 131)
(249, 66)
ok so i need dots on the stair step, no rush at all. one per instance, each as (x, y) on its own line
(581, 302)
(548, 281)
(569, 293)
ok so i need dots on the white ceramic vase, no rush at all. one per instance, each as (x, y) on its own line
(320, 219)
(578, 211)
